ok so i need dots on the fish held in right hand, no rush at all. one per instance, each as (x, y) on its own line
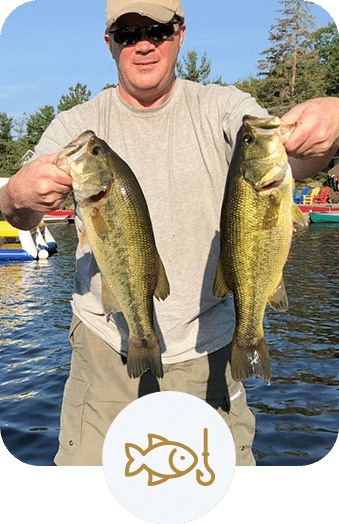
(256, 232)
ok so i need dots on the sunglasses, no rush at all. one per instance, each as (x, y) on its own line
(133, 35)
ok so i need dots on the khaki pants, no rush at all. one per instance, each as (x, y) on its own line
(98, 388)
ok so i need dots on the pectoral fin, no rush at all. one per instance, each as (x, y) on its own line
(220, 288)
(99, 224)
(155, 478)
(278, 300)
(108, 299)
(299, 217)
(83, 240)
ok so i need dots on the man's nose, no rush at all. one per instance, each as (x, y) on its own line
(145, 44)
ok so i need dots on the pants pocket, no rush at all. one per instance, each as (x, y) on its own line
(72, 416)
(241, 421)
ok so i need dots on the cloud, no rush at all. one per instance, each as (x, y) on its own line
(18, 87)
(7, 91)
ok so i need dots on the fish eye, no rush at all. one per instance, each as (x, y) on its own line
(182, 458)
(95, 150)
(248, 139)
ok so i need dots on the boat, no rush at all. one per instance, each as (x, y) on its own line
(318, 208)
(60, 215)
(19, 245)
(324, 216)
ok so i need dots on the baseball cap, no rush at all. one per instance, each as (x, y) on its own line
(160, 10)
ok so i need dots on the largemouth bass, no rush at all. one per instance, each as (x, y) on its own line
(119, 230)
(256, 231)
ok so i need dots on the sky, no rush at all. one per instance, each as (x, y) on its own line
(46, 46)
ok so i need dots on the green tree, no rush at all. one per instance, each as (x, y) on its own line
(325, 42)
(194, 72)
(274, 91)
(108, 86)
(288, 36)
(6, 143)
(292, 72)
(76, 95)
(249, 85)
(19, 126)
(6, 124)
(37, 123)
(10, 163)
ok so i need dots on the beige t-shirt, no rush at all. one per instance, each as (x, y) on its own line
(180, 153)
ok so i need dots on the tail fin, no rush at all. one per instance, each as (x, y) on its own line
(143, 355)
(135, 457)
(250, 357)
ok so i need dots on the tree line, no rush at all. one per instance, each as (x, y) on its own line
(302, 63)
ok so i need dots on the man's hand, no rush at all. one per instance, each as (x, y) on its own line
(36, 189)
(317, 128)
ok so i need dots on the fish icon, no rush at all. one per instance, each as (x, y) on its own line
(163, 459)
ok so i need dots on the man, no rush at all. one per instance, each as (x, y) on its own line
(178, 137)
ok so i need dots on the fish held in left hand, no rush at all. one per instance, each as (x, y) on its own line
(256, 229)
(119, 230)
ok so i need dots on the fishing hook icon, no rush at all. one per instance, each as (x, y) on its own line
(205, 454)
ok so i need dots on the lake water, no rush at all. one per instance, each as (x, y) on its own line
(297, 415)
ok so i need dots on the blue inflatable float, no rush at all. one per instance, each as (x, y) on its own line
(16, 244)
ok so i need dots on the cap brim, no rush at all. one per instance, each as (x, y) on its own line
(157, 13)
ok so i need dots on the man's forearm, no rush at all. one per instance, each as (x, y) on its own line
(21, 218)
(308, 167)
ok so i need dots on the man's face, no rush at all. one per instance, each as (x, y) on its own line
(147, 68)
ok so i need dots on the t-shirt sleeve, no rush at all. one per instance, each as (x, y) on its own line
(237, 104)
(68, 125)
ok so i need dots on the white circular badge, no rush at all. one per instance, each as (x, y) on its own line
(169, 457)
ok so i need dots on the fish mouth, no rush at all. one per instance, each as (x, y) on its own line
(271, 185)
(98, 197)
(96, 194)
(74, 149)
(272, 122)
(273, 178)
(268, 126)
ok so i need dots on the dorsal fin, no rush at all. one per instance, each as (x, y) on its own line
(155, 439)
